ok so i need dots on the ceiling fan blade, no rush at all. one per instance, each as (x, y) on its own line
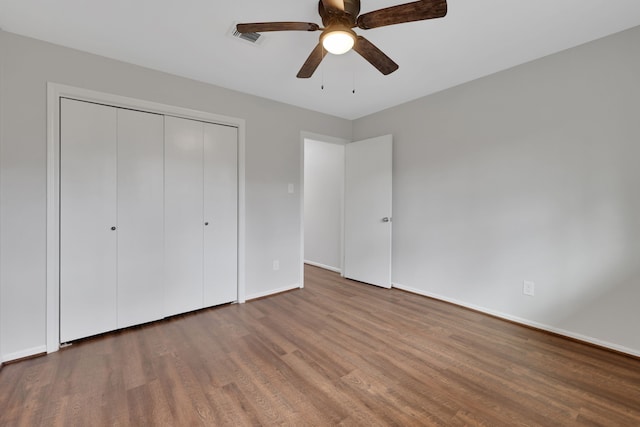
(375, 56)
(408, 12)
(312, 62)
(260, 27)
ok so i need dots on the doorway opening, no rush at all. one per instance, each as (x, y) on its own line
(322, 202)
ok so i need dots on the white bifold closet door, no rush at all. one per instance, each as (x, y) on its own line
(183, 215)
(111, 217)
(88, 153)
(220, 214)
(140, 217)
(201, 202)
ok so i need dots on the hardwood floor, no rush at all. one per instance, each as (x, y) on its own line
(334, 353)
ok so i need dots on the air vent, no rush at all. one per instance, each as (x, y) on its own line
(250, 37)
(253, 38)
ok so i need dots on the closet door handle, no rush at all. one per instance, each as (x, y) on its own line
(113, 228)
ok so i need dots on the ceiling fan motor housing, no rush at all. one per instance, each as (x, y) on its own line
(333, 16)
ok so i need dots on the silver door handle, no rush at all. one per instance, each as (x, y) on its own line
(386, 219)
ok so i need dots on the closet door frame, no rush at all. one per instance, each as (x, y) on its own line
(55, 92)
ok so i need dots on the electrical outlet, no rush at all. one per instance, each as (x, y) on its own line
(528, 288)
(290, 188)
(276, 265)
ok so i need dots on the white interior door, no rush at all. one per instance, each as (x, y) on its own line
(183, 215)
(87, 216)
(220, 214)
(140, 217)
(368, 201)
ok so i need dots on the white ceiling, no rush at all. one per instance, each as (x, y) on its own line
(190, 38)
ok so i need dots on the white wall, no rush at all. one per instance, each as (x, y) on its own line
(528, 174)
(272, 161)
(323, 198)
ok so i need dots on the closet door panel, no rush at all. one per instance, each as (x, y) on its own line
(140, 217)
(87, 214)
(183, 215)
(221, 214)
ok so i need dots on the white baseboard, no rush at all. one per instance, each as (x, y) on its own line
(23, 353)
(522, 321)
(272, 292)
(326, 267)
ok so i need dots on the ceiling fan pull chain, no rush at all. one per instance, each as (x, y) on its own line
(354, 80)
(322, 70)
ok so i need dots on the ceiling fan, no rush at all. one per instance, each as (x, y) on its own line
(339, 17)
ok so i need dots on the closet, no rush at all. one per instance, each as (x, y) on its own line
(148, 217)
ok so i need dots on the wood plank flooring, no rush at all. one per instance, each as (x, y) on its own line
(334, 353)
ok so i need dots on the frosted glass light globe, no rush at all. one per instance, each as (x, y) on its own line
(338, 42)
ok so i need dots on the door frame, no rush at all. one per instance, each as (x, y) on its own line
(330, 140)
(55, 91)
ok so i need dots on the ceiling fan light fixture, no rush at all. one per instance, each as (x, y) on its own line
(339, 41)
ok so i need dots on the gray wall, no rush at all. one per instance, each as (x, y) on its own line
(528, 174)
(323, 195)
(272, 161)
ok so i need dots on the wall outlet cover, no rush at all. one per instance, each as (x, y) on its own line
(528, 288)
